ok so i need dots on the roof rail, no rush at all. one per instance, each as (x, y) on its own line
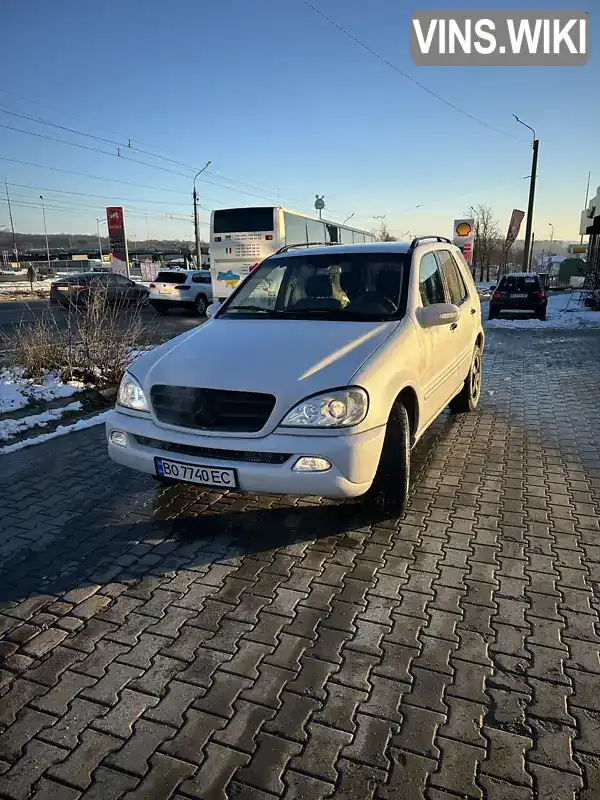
(287, 247)
(418, 239)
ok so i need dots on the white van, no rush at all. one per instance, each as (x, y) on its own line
(319, 387)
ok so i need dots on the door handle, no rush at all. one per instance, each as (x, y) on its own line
(473, 311)
(454, 326)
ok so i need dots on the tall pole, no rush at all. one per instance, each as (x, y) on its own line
(99, 239)
(531, 253)
(587, 194)
(534, 161)
(12, 226)
(45, 231)
(551, 240)
(196, 224)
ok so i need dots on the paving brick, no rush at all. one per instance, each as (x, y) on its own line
(242, 729)
(17, 783)
(87, 638)
(121, 717)
(370, 742)
(50, 790)
(553, 746)
(77, 769)
(312, 677)
(358, 781)
(340, 707)
(506, 756)
(21, 693)
(457, 768)
(154, 680)
(292, 717)
(550, 700)
(495, 789)
(268, 763)
(178, 698)
(108, 688)
(187, 644)
(305, 787)
(464, 722)
(66, 731)
(554, 784)
(44, 642)
(166, 774)
(28, 724)
(408, 775)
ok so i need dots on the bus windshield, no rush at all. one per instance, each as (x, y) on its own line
(246, 220)
(333, 286)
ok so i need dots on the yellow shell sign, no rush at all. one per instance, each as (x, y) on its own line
(463, 229)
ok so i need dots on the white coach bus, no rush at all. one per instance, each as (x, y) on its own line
(240, 238)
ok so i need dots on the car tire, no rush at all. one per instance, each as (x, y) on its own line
(468, 397)
(389, 491)
(201, 304)
(492, 314)
(541, 315)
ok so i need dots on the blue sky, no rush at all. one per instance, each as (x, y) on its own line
(278, 99)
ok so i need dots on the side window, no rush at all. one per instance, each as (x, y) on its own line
(431, 284)
(295, 229)
(347, 237)
(316, 230)
(454, 280)
(198, 277)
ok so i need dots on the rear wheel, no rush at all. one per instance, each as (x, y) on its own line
(468, 397)
(389, 491)
(201, 305)
(492, 313)
(541, 315)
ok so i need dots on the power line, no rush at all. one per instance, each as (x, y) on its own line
(99, 196)
(405, 74)
(128, 146)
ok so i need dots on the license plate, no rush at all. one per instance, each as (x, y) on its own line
(518, 296)
(196, 473)
(60, 286)
(164, 291)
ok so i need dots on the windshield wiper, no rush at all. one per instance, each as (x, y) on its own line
(258, 309)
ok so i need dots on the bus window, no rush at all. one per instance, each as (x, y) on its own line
(295, 229)
(316, 230)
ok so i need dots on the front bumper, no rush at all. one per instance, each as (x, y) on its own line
(354, 457)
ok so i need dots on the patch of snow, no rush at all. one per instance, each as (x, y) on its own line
(60, 431)
(17, 288)
(484, 289)
(12, 427)
(557, 315)
(17, 391)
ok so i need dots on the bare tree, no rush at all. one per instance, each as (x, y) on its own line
(486, 239)
(383, 234)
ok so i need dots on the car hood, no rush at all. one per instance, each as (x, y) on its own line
(290, 359)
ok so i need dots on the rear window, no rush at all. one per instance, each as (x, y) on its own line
(241, 220)
(513, 283)
(172, 277)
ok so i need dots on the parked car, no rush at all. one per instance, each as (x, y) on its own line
(77, 289)
(181, 288)
(518, 292)
(317, 392)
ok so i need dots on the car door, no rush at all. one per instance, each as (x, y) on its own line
(438, 342)
(464, 332)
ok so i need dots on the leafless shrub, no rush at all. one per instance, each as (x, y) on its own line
(96, 344)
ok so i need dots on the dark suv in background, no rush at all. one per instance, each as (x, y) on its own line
(518, 292)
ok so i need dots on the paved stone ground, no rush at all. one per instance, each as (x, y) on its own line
(162, 643)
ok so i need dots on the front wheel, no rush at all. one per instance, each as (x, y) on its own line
(468, 397)
(389, 491)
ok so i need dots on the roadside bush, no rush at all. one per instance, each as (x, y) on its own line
(94, 344)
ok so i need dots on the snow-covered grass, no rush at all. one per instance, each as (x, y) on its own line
(484, 289)
(60, 431)
(12, 289)
(577, 316)
(17, 391)
(9, 428)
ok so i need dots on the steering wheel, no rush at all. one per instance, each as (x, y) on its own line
(371, 299)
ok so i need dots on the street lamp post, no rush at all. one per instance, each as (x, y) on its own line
(45, 232)
(347, 218)
(551, 240)
(534, 160)
(98, 221)
(196, 226)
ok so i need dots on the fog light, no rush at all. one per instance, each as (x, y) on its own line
(118, 438)
(312, 464)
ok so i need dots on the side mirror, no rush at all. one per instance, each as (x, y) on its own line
(212, 309)
(438, 314)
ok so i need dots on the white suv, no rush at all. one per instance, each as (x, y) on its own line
(181, 288)
(320, 385)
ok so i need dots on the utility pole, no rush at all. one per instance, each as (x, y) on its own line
(98, 220)
(196, 225)
(531, 253)
(587, 194)
(534, 161)
(45, 232)
(12, 226)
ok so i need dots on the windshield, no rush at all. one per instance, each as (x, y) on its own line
(340, 286)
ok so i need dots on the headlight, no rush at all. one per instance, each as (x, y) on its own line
(337, 409)
(131, 394)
